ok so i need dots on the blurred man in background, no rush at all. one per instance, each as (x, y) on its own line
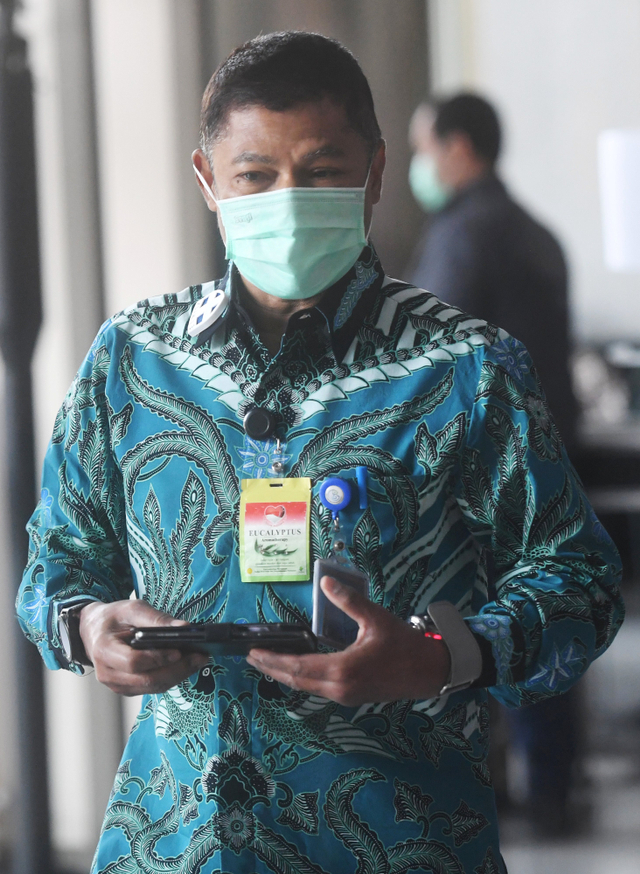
(482, 252)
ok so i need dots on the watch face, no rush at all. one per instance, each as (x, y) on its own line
(63, 633)
(422, 623)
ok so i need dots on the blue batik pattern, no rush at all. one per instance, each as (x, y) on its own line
(259, 456)
(366, 275)
(230, 770)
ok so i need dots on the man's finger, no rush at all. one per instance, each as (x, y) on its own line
(138, 681)
(348, 600)
(119, 655)
(286, 673)
(142, 660)
(140, 614)
(304, 666)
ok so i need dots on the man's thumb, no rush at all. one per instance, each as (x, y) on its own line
(346, 598)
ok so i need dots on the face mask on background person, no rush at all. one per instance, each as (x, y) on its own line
(425, 186)
(293, 242)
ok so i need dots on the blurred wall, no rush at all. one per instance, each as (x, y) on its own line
(148, 87)
(559, 72)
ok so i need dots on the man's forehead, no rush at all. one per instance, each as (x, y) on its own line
(318, 129)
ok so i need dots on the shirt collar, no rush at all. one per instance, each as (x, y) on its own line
(342, 309)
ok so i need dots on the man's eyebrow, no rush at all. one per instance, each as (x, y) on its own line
(324, 152)
(253, 158)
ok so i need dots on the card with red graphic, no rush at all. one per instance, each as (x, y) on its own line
(274, 530)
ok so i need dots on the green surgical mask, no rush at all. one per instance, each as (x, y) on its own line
(425, 186)
(294, 242)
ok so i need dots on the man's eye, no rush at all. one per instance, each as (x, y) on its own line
(251, 176)
(324, 173)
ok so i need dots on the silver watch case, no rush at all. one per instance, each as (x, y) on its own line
(69, 634)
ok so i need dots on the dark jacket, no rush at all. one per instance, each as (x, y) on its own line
(486, 255)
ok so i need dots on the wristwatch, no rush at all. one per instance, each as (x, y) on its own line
(443, 621)
(69, 634)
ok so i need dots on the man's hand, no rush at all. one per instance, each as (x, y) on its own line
(388, 661)
(105, 630)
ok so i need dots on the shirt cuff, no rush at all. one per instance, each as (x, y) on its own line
(501, 643)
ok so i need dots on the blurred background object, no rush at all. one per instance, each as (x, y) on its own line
(117, 86)
(619, 166)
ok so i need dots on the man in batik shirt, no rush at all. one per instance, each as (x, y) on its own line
(336, 761)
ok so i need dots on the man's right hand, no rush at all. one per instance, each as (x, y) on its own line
(105, 630)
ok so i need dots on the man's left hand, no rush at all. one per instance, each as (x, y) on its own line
(389, 659)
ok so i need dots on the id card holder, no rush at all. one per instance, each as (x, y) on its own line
(274, 530)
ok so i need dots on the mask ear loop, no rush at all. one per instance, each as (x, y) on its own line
(366, 181)
(367, 231)
(207, 186)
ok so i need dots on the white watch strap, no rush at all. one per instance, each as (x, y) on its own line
(466, 657)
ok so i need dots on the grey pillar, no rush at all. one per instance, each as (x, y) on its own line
(20, 315)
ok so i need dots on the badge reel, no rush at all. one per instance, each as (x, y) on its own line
(330, 624)
(259, 424)
(335, 495)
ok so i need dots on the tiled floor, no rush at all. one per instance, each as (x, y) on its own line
(612, 842)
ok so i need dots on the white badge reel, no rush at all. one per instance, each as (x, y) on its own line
(208, 311)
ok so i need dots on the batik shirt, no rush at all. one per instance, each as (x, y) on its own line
(471, 499)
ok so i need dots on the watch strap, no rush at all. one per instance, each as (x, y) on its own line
(466, 656)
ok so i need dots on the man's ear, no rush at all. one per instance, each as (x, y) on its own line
(460, 146)
(376, 172)
(201, 164)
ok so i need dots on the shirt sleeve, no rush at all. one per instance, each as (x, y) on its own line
(77, 533)
(554, 601)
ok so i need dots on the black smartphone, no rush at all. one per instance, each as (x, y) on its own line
(226, 638)
(330, 624)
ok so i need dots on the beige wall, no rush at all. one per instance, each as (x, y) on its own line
(148, 78)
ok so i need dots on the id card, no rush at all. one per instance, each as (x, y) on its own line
(274, 530)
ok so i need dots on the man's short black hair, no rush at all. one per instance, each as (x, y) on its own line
(282, 70)
(474, 116)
